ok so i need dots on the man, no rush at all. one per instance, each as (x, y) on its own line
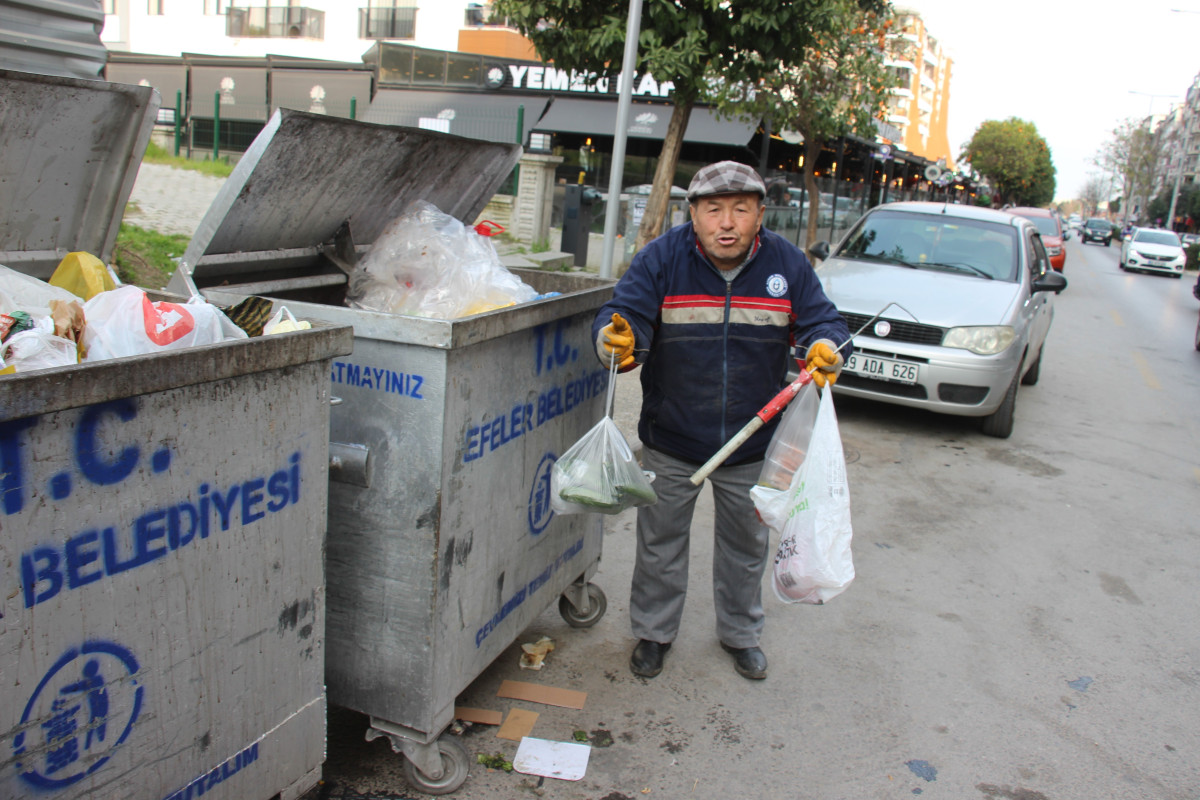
(711, 311)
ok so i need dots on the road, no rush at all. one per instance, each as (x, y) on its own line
(1023, 623)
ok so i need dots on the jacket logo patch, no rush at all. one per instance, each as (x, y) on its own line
(777, 285)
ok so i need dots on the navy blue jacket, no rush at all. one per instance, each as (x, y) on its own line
(713, 353)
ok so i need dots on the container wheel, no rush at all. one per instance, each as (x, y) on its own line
(597, 605)
(456, 763)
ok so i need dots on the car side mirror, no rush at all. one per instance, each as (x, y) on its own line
(819, 251)
(1050, 281)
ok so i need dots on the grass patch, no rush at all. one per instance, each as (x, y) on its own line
(156, 154)
(146, 258)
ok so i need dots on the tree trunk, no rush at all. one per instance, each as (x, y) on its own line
(664, 177)
(812, 151)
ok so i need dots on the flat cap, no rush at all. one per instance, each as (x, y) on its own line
(725, 177)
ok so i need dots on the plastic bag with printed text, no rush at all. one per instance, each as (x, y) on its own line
(125, 322)
(813, 563)
(426, 263)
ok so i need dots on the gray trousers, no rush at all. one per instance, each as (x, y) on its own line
(660, 574)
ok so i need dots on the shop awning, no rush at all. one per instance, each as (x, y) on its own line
(599, 117)
(491, 117)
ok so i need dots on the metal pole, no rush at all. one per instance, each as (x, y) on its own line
(178, 115)
(353, 108)
(216, 124)
(632, 31)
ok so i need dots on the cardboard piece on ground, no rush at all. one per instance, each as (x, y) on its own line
(564, 760)
(549, 695)
(480, 715)
(518, 725)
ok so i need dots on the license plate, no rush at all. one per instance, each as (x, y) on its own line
(884, 369)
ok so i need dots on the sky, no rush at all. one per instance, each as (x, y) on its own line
(1076, 70)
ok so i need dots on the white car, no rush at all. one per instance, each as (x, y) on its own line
(1153, 250)
(967, 298)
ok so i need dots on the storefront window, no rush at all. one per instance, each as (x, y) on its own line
(429, 68)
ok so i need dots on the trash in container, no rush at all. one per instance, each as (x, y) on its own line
(442, 544)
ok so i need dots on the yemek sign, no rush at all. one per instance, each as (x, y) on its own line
(551, 79)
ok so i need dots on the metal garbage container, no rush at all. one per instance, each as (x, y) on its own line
(162, 612)
(442, 545)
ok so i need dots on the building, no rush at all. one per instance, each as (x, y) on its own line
(224, 66)
(330, 30)
(1177, 136)
(920, 106)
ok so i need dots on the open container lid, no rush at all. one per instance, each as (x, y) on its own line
(69, 155)
(312, 186)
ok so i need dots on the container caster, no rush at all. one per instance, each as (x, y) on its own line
(582, 606)
(437, 767)
(456, 764)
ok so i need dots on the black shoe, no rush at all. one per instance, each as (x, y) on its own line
(748, 661)
(647, 658)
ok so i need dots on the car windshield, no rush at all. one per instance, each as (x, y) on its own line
(1156, 237)
(928, 241)
(1045, 225)
(1097, 223)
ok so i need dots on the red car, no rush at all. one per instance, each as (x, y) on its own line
(1050, 226)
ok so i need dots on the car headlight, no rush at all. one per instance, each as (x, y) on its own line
(984, 340)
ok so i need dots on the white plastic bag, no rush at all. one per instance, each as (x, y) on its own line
(813, 563)
(21, 292)
(38, 348)
(125, 322)
(426, 263)
(284, 322)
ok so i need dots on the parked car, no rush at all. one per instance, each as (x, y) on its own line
(1153, 250)
(975, 294)
(1049, 225)
(1190, 239)
(1097, 229)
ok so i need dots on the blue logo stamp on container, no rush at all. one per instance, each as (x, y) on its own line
(79, 713)
(540, 512)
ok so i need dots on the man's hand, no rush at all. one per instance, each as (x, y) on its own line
(824, 362)
(616, 341)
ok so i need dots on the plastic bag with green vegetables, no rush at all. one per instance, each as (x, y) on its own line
(599, 473)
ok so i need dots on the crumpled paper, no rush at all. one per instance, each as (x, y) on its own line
(535, 653)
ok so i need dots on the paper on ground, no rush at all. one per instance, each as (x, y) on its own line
(564, 760)
(518, 725)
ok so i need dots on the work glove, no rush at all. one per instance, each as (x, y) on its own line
(824, 362)
(616, 341)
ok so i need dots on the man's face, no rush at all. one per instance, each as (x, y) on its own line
(726, 226)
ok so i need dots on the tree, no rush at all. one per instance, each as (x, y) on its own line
(1015, 160)
(835, 86)
(1131, 157)
(685, 42)
(1094, 191)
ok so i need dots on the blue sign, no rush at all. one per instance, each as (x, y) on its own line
(80, 712)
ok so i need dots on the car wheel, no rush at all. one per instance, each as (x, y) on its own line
(1034, 372)
(1000, 422)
